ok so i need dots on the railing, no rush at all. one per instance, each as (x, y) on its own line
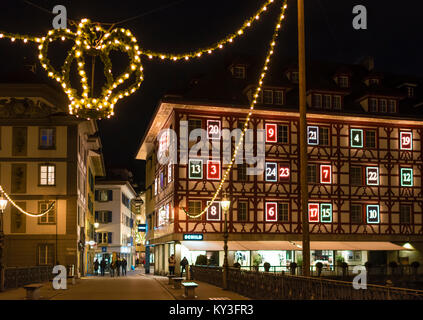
(278, 286)
(337, 271)
(20, 276)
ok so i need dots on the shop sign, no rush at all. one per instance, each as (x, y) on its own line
(193, 236)
(142, 227)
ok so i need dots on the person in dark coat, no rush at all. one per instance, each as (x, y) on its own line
(184, 264)
(118, 264)
(124, 264)
(112, 268)
(96, 265)
(102, 267)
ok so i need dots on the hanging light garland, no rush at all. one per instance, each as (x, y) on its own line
(50, 207)
(208, 50)
(247, 120)
(91, 39)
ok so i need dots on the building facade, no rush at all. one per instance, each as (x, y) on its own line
(364, 168)
(116, 221)
(42, 161)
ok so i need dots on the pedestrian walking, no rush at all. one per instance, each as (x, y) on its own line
(102, 267)
(137, 262)
(96, 265)
(118, 263)
(184, 264)
(172, 261)
(124, 264)
(112, 268)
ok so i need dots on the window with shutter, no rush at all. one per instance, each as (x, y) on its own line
(109, 237)
(109, 213)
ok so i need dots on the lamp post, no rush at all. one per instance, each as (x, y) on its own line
(225, 207)
(3, 204)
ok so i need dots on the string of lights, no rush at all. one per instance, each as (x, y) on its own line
(93, 40)
(252, 105)
(50, 207)
(208, 50)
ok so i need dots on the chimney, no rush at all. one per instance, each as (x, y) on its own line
(368, 62)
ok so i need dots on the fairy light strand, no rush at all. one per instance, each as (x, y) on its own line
(252, 104)
(51, 206)
(219, 45)
(92, 39)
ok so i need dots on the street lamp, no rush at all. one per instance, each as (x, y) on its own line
(226, 203)
(96, 225)
(3, 204)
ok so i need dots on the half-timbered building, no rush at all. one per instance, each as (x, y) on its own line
(364, 168)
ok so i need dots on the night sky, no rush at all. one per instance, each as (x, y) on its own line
(394, 38)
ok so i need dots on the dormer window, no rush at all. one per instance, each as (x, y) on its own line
(343, 81)
(373, 82)
(267, 96)
(410, 92)
(372, 105)
(317, 101)
(336, 102)
(392, 106)
(327, 101)
(238, 72)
